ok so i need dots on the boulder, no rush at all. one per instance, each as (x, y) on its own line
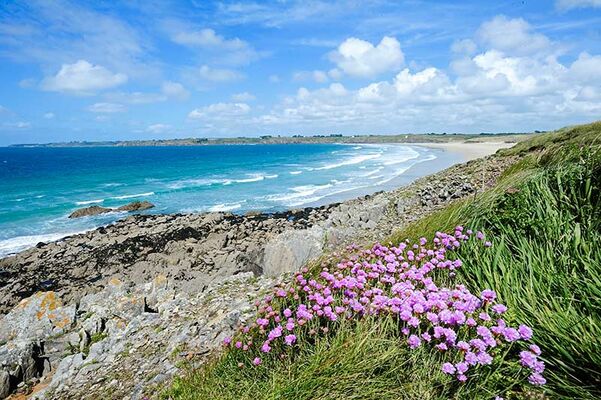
(36, 317)
(136, 206)
(290, 250)
(88, 211)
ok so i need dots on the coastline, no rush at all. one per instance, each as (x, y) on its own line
(166, 289)
(469, 150)
(343, 220)
(445, 156)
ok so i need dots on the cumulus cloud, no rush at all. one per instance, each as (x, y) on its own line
(218, 74)
(49, 115)
(587, 68)
(82, 77)
(512, 36)
(219, 111)
(360, 58)
(569, 4)
(243, 97)
(490, 84)
(107, 108)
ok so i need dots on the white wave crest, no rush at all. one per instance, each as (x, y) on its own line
(131, 196)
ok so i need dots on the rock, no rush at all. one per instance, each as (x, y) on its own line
(36, 317)
(89, 211)
(292, 249)
(21, 360)
(136, 206)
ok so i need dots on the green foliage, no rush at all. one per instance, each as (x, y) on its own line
(360, 361)
(546, 266)
(544, 219)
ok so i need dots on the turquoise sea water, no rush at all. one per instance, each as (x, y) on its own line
(40, 187)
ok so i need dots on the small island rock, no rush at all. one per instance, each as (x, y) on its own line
(87, 211)
(136, 206)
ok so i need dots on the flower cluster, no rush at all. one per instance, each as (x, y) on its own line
(399, 282)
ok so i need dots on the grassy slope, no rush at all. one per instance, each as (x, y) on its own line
(544, 220)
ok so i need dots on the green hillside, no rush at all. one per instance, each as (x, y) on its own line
(543, 221)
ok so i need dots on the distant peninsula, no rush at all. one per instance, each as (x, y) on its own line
(300, 139)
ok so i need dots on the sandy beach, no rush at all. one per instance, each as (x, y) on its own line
(469, 150)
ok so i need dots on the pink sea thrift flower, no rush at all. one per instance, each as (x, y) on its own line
(290, 339)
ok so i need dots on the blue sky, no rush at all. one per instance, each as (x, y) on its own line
(103, 70)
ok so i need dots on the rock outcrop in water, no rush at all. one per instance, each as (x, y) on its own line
(89, 211)
(97, 210)
(136, 206)
(115, 311)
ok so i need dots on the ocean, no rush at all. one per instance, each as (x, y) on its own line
(40, 187)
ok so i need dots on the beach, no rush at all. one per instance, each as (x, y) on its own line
(147, 285)
(202, 246)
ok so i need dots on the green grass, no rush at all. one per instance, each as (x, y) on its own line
(545, 264)
(360, 361)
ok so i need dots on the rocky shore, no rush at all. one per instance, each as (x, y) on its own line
(117, 310)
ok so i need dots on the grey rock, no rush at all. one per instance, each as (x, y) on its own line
(89, 211)
(136, 206)
(292, 249)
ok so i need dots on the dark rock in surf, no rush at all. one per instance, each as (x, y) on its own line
(136, 206)
(89, 211)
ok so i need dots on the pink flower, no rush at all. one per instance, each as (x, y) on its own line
(414, 341)
(266, 348)
(525, 332)
(257, 361)
(535, 349)
(290, 339)
(448, 368)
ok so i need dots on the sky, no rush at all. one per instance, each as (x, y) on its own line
(146, 69)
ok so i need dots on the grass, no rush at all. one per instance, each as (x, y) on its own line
(544, 219)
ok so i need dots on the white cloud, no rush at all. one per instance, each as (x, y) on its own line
(493, 86)
(158, 128)
(243, 97)
(465, 46)
(512, 36)
(82, 77)
(49, 115)
(107, 108)
(175, 90)
(358, 57)
(52, 33)
(586, 68)
(230, 51)
(169, 90)
(569, 4)
(316, 75)
(207, 38)
(220, 110)
(219, 74)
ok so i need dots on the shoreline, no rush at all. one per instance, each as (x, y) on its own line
(447, 154)
(195, 248)
(162, 289)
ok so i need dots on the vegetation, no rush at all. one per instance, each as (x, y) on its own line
(296, 139)
(544, 221)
